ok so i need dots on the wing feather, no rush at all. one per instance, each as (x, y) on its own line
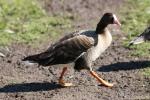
(68, 50)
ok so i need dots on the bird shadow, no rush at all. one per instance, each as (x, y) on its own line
(29, 87)
(132, 65)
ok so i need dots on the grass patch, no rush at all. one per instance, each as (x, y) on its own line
(135, 20)
(25, 21)
(146, 72)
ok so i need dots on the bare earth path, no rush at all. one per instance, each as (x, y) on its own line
(21, 82)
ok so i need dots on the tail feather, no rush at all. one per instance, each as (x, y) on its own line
(32, 58)
(44, 59)
(35, 59)
(137, 40)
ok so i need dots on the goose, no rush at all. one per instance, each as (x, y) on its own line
(81, 47)
(145, 36)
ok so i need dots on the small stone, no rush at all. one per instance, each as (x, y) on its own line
(2, 55)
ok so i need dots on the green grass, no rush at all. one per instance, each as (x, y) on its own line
(25, 21)
(146, 72)
(135, 20)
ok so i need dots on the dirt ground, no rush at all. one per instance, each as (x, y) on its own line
(23, 82)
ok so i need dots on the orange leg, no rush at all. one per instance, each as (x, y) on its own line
(61, 81)
(105, 83)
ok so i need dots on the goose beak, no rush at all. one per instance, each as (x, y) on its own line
(116, 21)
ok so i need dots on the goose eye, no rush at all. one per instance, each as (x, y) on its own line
(112, 19)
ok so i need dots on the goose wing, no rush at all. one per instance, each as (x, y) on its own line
(66, 50)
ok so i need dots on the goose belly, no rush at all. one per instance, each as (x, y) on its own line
(96, 52)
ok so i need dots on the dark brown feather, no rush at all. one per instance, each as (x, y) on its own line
(64, 51)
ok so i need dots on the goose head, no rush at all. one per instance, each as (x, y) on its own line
(108, 18)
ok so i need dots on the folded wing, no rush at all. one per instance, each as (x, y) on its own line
(66, 50)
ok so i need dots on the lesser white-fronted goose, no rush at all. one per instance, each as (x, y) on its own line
(82, 48)
(145, 36)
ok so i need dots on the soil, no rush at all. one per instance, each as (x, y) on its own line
(19, 81)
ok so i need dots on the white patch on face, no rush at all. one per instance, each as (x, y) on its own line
(115, 18)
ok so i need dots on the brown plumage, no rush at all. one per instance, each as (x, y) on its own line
(145, 36)
(82, 47)
(65, 50)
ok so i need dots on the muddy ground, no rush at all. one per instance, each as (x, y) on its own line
(23, 82)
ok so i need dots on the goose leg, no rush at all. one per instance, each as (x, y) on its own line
(61, 81)
(105, 83)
